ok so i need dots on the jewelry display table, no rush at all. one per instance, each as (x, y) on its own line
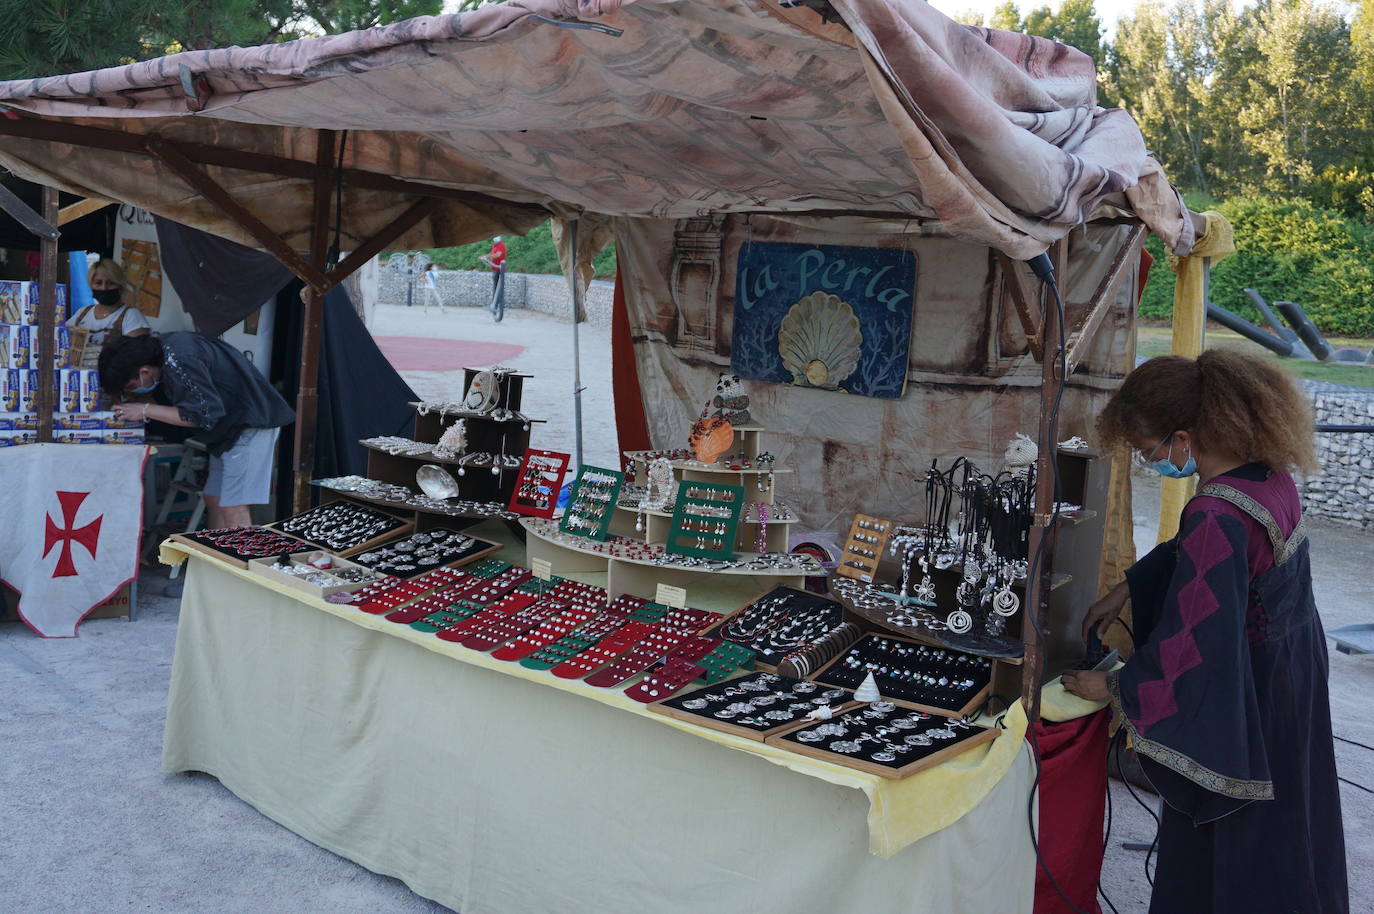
(491, 787)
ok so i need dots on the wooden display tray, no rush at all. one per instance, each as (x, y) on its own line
(403, 526)
(973, 704)
(977, 738)
(724, 726)
(697, 466)
(265, 568)
(714, 631)
(501, 512)
(195, 545)
(459, 562)
(870, 569)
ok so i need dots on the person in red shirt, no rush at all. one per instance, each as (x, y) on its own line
(496, 259)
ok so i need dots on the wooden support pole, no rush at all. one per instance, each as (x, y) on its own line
(1042, 534)
(45, 399)
(307, 391)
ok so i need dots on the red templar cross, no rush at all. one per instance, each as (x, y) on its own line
(87, 536)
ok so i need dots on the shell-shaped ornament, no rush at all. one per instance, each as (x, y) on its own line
(711, 438)
(820, 340)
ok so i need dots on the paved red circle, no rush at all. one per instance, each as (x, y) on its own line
(417, 353)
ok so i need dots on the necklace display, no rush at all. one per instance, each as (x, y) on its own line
(420, 552)
(758, 703)
(340, 526)
(782, 622)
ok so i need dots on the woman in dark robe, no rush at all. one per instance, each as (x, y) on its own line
(1225, 698)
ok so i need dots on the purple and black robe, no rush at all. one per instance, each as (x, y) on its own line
(1225, 700)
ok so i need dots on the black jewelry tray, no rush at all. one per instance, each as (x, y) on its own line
(920, 660)
(751, 726)
(867, 720)
(471, 550)
(767, 659)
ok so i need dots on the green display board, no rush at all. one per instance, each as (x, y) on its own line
(592, 502)
(705, 520)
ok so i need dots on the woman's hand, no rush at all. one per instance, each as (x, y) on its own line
(127, 411)
(1089, 685)
(1105, 610)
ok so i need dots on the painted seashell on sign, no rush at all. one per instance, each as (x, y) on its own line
(820, 341)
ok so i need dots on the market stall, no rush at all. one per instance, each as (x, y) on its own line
(876, 271)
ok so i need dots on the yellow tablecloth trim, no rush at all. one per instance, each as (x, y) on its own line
(900, 812)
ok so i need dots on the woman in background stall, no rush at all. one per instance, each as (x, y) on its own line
(108, 318)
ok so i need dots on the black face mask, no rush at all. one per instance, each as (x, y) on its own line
(106, 297)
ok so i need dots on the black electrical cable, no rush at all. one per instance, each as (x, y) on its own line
(333, 255)
(1143, 805)
(1352, 742)
(1353, 784)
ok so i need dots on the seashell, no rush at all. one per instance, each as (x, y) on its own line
(867, 690)
(711, 438)
(820, 340)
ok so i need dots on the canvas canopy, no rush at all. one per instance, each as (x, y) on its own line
(676, 109)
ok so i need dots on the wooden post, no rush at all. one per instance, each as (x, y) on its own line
(1042, 533)
(307, 393)
(47, 319)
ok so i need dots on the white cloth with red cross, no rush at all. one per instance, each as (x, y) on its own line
(70, 520)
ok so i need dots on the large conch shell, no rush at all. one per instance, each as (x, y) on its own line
(819, 341)
(710, 438)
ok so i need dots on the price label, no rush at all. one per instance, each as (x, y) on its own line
(543, 569)
(673, 597)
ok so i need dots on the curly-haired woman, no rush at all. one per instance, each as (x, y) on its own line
(1225, 697)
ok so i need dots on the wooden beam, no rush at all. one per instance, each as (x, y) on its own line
(307, 390)
(22, 213)
(206, 186)
(74, 211)
(378, 242)
(1104, 295)
(1027, 310)
(44, 400)
(36, 128)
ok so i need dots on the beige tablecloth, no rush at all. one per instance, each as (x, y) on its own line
(480, 786)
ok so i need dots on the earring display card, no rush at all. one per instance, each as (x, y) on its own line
(592, 502)
(538, 483)
(705, 520)
(618, 642)
(914, 675)
(237, 545)
(884, 739)
(781, 622)
(867, 539)
(725, 660)
(599, 626)
(755, 705)
(417, 553)
(343, 527)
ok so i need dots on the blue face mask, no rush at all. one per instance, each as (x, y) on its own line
(146, 390)
(1167, 469)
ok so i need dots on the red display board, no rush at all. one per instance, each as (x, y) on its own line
(539, 482)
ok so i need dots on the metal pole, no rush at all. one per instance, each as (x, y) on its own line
(47, 318)
(576, 288)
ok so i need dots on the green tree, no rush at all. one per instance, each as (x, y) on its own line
(1006, 17)
(969, 17)
(63, 36)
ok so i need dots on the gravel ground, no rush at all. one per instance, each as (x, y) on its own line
(89, 824)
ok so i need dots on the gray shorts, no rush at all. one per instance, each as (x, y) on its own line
(242, 475)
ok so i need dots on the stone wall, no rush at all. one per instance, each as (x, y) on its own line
(1344, 490)
(472, 289)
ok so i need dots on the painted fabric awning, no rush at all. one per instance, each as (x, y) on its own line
(695, 106)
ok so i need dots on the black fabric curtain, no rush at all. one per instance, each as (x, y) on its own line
(220, 282)
(361, 395)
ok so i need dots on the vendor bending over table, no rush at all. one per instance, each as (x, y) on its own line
(1225, 697)
(205, 384)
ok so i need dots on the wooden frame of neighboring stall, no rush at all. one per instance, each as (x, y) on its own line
(1039, 318)
(187, 161)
